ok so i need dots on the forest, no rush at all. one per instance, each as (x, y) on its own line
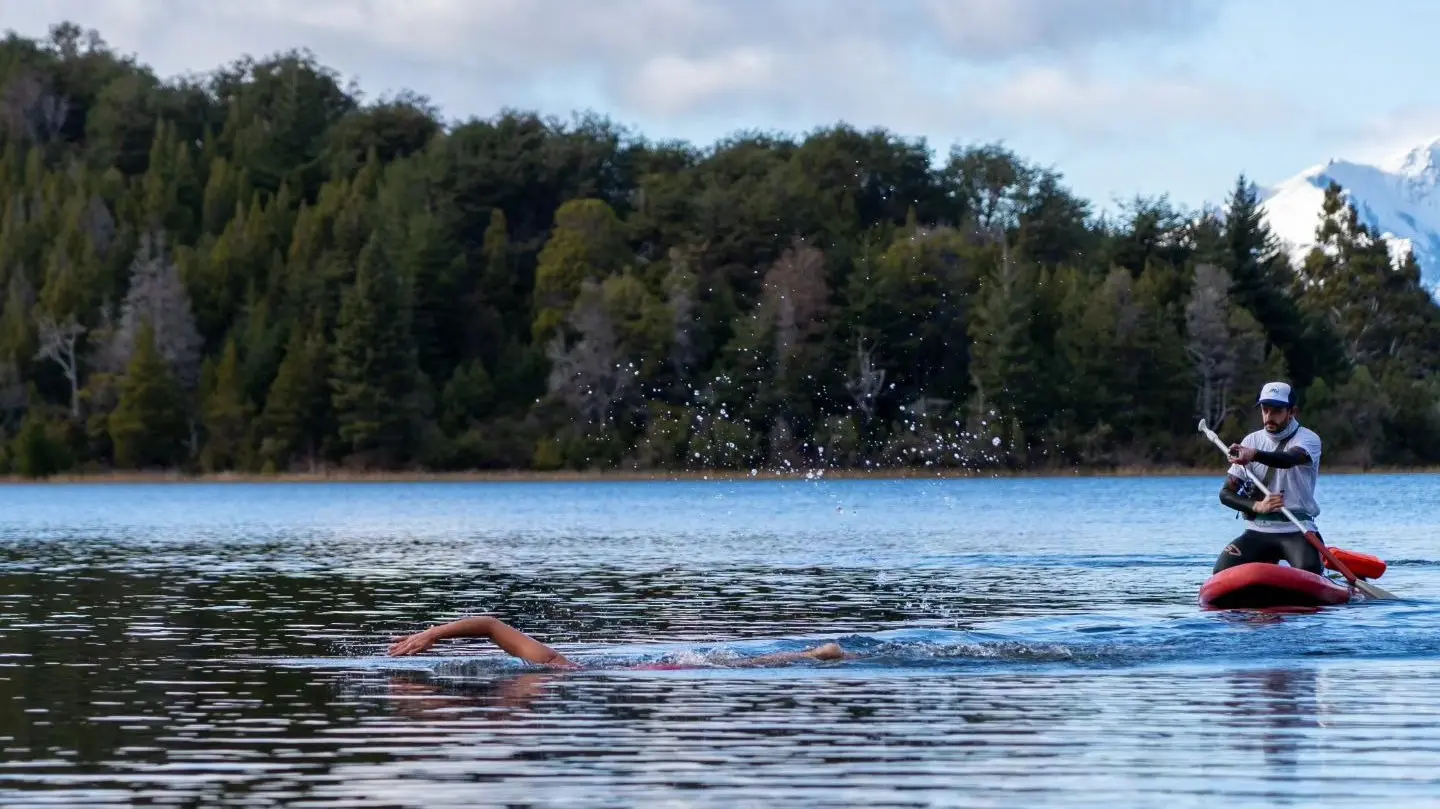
(258, 270)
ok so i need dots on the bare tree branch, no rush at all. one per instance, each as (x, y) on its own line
(51, 112)
(1211, 348)
(680, 288)
(29, 109)
(795, 286)
(590, 376)
(57, 343)
(157, 294)
(866, 385)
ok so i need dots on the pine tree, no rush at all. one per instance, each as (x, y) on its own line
(497, 282)
(1263, 283)
(1162, 387)
(466, 398)
(226, 415)
(1003, 363)
(38, 452)
(374, 366)
(474, 264)
(499, 313)
(148, 427)
(293, 422)
(437, 273)
(1095, 346)
(1349, 281)
(225, 189)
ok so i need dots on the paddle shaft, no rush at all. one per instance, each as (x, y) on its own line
(1309, 535)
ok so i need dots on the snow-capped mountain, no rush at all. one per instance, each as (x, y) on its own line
(1398, 197)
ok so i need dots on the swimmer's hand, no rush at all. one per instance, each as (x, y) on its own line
(414, 644)
(828, 651)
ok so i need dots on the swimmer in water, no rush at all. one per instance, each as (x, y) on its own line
(521, 645)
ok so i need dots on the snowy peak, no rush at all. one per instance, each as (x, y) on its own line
(1398, 198)
(1420, 164)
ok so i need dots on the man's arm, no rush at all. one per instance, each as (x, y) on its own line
(1294, 456)
(1231, 498)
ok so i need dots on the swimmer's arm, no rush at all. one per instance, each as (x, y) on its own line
(507, 637)
(829, 651)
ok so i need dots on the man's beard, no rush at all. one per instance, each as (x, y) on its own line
(1289, 428)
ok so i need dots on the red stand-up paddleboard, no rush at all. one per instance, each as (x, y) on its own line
(1261, 585)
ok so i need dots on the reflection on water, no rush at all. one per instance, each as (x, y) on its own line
(223, 646)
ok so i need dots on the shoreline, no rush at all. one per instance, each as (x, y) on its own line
(655, 476)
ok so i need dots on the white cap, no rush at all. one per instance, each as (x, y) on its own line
(1276, 394)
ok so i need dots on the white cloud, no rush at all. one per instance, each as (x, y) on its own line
(804, 62)
(1384, 141)
(1094, 106)
(999, 28)
(673, 85)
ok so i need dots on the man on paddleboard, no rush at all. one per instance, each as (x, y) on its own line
(1286, 457)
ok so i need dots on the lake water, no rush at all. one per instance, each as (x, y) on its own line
(1028, 643)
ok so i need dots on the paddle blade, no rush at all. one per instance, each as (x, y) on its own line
(1361, 564)
(1375, 591)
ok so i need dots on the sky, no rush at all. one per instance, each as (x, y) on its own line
(1122, 97)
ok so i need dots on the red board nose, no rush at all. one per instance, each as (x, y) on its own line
(1361, 564)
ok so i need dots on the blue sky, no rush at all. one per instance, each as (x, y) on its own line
(1123, 97)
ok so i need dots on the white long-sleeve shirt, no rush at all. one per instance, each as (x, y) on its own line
(1297, 483)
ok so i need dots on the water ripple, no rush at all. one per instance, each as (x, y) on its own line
(223, 646)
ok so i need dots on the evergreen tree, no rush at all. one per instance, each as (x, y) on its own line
(148, 427)
(1263, 283)
(1097, 360)
(293, 424)
(322, 280)
(226, 416)
(374, 370)
(1003, 364)
(38, 451)
(498, 310)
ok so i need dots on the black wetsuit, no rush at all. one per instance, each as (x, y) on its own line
(1259, 546)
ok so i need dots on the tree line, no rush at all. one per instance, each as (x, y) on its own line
(257, 269)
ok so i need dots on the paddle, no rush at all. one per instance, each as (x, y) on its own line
(1371, 590)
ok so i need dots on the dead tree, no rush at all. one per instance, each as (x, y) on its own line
(795, 288)
(866, 384)
(28, 108)
(592, 375)
(680, 288)
(57, 344)
(1210, 346)
(157, 294)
